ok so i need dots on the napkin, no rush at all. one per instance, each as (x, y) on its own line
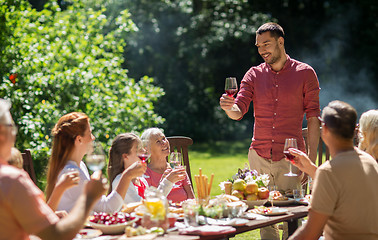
(207, 230)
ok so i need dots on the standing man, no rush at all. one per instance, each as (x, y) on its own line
(282, 90)
(344, 202)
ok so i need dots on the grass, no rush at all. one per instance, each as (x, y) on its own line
(223, 159)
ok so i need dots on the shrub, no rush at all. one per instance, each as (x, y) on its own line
(55, 62)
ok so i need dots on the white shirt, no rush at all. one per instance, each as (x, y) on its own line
(132, 191)
(111, 203)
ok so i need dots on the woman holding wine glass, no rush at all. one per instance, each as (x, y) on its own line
(72, 140)
(128, 151)
(158, 167)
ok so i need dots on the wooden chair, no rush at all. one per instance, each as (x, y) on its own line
(181, 144)
(28, 165)
(321, 148)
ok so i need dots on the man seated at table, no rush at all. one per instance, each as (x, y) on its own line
(23, 210)
(345, 194)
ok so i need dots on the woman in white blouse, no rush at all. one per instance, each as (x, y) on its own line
(72, 139)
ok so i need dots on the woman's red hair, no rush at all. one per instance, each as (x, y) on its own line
(64, 132)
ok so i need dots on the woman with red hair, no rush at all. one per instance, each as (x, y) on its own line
(72, 139)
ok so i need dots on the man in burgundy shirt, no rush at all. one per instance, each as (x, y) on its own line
(282, 90)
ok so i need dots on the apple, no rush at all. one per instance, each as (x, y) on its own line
(252, 197)
(251, 187)
(239, 184)
(263, 193)
(238, 194)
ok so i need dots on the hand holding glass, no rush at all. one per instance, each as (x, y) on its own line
(95, 158)
(290, 143)
(231, 86)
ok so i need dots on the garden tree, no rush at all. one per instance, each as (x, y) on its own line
(64, 62)
(190, 48)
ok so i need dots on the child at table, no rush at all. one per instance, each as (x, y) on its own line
(124, 153)
(72, 139)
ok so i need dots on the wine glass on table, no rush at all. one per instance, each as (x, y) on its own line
(144, 152)
(175, 160)
(231, 86)
(290, 143)
(95, 158)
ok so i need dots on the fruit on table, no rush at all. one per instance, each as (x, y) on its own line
(252, 197)
(239, 184)
(251, 187)
(238, 194)
(263, 193)
(110, 218)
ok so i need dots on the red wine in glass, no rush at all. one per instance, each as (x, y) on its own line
(290, 143)
(143, 157)
(231, 92)
(289, 156)
(231, 86)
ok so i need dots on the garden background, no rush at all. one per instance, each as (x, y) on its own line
(135, 64)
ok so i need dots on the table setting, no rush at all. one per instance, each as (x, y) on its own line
(249, 206)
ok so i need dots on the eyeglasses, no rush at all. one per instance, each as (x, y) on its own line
(14, 128)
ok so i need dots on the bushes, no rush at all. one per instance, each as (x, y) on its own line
(65, 63)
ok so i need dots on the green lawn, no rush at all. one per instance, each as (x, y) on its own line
(223, 159)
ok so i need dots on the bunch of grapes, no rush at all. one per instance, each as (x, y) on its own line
(110, 218)
(244, 173)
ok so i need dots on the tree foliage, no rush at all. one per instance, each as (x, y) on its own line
(191, 46)
(64, 62)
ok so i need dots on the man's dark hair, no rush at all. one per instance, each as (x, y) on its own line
(340, 118)
(275, 30)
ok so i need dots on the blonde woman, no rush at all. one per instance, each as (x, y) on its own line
(368, 133)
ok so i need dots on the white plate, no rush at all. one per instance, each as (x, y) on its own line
(303, 201)
(227, 221)
(251, 204)
(275, 212)
(283, 202)
(113, 228)
(88, 233)
(272, 211)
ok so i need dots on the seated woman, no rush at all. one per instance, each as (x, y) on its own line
(158, 165)
(123, 154)
(72, 139)
(368, 142)
(368, 133)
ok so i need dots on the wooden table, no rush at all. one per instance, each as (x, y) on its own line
(294, 213)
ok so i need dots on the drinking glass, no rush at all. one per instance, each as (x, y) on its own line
(290, 143)
(95, 158)
(175, 160)
(144, 152)
(272, 190)
(231, 86)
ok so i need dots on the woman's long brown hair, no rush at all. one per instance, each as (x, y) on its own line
(64, 132)
(121, 144)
